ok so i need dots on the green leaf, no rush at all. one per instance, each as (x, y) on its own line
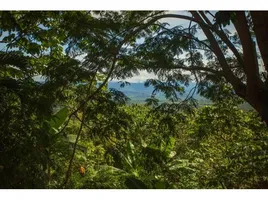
(160, 185)
(59, 118)
(134, 183)
(131, 149)
(71, 138)
(170, 145)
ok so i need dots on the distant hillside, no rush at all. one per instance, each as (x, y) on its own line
(137, 92)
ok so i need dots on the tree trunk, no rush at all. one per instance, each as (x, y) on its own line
(258, 100)
(260, 103)
(260, 27)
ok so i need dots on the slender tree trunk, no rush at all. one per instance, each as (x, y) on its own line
(68, 173)
(48, 168)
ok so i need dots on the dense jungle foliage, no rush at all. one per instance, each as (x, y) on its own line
(72, 131)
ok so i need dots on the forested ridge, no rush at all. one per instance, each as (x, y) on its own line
(72, 131)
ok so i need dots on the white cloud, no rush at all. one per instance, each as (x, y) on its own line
(143, 76)
(39, 78)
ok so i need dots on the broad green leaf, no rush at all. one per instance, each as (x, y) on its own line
(59, 118)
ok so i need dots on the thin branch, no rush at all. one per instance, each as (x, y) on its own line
(190, 36)
(68, 173)
(82, 122)
(205, 18)
(211, 14)
(73, 113)
(196, 68)
(194, 89)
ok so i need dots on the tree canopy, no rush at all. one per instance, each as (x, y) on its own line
(72, 120)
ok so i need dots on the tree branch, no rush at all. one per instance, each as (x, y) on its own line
(68, 173)
(205, 18)
(251, 64)
(228, 74)
(225, 39)
(219, 73)
(190, 36)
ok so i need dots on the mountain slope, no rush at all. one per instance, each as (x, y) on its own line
(137, 92)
